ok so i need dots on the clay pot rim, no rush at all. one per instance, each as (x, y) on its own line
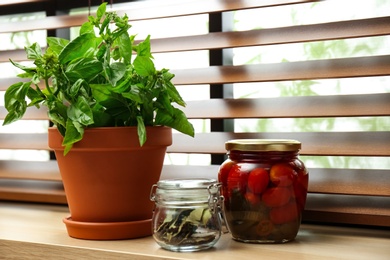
(124, 137)
(110, 128)
(108, 230)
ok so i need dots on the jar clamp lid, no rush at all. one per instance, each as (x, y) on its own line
(185, 191)
(192, 183)
(263, 145)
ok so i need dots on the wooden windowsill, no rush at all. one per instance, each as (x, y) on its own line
(33, 231)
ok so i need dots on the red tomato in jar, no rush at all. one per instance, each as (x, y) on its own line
(264, 228)
(237, 179)
(258, 180)
(300, 191)
(276, 197)
(223, 173)
(284, 214)
(252, 198)
(282, 174)
(303, 179)
(302, 173)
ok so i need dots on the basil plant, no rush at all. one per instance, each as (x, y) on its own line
(99, 79)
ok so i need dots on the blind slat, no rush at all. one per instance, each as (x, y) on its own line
(319, 207)
(322, 180)
(32, 191)
(144, 11)
(16, 2)
(305, 106)
(288, 107)
(293, 34)
(348, 209)
(315, 143)
(30, 170)
(15, 55)
(316, 32)
(300, 70)
(6, 82)
(27, 141)
(350, 181)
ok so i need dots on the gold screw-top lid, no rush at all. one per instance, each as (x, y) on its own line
(263, 145)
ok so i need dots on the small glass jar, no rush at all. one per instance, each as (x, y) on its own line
(264, 185)
(187, 214)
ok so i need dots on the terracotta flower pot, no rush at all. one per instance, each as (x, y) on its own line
(107, 179)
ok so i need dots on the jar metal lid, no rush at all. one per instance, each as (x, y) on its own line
(191, 183)
(263, 145)
(184, 191)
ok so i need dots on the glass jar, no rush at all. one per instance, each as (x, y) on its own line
(187, 214)
(264, 185)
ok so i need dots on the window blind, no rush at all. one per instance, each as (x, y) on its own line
(343, 195)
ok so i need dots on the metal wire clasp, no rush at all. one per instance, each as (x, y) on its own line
(152, 195)
(216, 203)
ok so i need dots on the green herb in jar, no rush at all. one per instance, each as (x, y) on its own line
(181, 227)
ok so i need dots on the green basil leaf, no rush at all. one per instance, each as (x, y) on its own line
(26, 75)
(78, 47)
(101, 52)
(33, 52)
(143, 48)
(56, 118)
(123, 115)
(35, 96)
(87, 27)
(144, 66)
(147, 109)
(29, 70)
(101, 92)
(102, 118)
(141, 131)
(163, 101)
(105, 97)
(101, 11)
(81, 112)
(56, 44)
(118, 70)
(35, 79)
(124, 84)
(79, 88)
(125, 47)
(134, 94)
(107, 71)
(57, 113)
(16, 92)
(83, 68)
(15, 101)
(173, 93)
(15, 114)
(116, 54)
(74, 133)
(177, 120)
(105, 23)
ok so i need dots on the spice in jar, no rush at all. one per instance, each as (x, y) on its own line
(264, 185)
(187, 214)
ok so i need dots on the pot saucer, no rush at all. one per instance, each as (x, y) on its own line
(108, 230)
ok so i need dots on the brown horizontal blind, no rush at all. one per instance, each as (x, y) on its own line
(345, 195)
(15, 2)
